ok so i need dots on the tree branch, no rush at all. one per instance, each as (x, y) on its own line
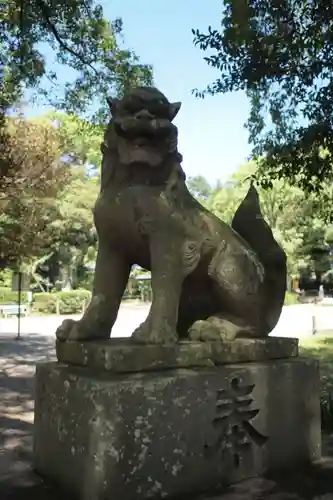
(22, 34)
(46, 14)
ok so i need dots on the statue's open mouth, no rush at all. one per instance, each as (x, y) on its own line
(142, 142)
(139, 130)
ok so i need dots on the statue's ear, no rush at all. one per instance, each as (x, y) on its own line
(173, 109)
(112, 105)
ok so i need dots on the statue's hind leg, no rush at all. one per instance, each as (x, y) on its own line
(238, 285)
(197, 302)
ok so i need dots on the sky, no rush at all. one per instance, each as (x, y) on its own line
(212, 138)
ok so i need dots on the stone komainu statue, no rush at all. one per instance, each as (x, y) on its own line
(210, 281)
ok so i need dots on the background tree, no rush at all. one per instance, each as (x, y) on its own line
(281, 54)
(47, 222)
(74, 239)
(80, 140)
(295, 218)
(32, 174)
(72, 251)
(78, 35)
(199, 187)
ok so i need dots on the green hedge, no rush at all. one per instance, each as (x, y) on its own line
(9, 297)
(60, 302)
(5, 278)
(72, 302)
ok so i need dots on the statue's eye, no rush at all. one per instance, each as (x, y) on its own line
(160, 110)
(133, 108)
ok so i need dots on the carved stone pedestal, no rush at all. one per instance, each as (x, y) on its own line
(104, 430)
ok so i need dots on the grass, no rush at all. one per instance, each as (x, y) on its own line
(320, 347)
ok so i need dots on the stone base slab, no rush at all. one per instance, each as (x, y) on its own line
(154, 435)
(121, 355)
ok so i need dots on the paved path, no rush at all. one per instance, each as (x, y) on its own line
(129, 317)
(295, 321)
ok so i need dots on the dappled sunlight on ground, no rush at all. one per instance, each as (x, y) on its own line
(17, 369)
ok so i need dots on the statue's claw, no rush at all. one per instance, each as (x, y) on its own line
(69, 330)
(163, 334)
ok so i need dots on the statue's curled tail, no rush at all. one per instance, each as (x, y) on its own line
(249, 223)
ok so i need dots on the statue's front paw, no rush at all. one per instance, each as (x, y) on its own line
(147, 333)
(70, 330)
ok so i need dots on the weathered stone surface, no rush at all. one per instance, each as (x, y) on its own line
(121, 355)
(257, 488)
(155, 435)
(210, 280)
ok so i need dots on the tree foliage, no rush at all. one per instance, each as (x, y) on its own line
(80, 140)
(47, 196)
(281, 54)
(32, 174)
(199, 187)
(296, 219)
(78, 35)
(74, 238)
